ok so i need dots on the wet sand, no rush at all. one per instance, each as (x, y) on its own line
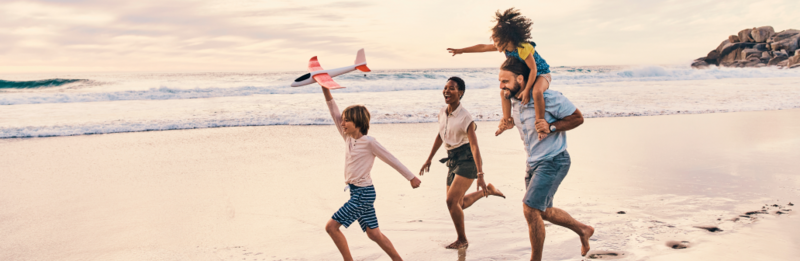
(265, 193)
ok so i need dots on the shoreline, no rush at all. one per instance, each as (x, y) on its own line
(233, 193)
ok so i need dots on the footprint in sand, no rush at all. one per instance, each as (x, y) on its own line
(604, 254)
(678, 244)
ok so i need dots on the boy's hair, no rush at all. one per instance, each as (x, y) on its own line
(359, 115)
(517, 67)
(511, 28)
(460, 83)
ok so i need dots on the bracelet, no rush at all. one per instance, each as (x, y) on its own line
(480, 174)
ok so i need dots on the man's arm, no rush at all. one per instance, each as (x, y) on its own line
(567, 123)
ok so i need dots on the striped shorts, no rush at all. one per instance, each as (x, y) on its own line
(360, 207)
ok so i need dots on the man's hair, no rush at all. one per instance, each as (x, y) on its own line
(511, 28)
(514, 65)
(359, 115)
(460, 83)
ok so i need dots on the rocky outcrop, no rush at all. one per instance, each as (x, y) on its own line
(755, 47)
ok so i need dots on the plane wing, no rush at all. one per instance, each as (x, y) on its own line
(326, 81)
(313, 65)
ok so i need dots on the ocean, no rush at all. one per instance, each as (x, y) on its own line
(63, 104)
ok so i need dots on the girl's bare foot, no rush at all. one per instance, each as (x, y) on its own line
(585, 235)
(458, 245)
(494, 191)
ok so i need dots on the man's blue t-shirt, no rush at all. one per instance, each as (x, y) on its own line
(557, 106)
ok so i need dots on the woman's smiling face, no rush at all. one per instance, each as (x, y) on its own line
(451, 93)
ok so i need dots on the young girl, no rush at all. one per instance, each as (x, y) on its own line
(511, 35)
(359, 157)
(457, 133)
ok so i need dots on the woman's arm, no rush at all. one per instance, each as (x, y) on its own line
(478, 48)
(335, 113)
(476, 155)
(426, 167)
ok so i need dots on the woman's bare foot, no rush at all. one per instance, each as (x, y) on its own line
(585, 235)
(458, 245)
(494, 191)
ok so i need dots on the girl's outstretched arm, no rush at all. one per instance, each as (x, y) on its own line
(478, 48)
(426, 167)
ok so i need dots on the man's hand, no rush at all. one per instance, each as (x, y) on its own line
(542, 126)
(482, 185)
(426, 167)
(454, 51)
(415, 182)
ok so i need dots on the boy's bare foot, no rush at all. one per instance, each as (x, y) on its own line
(458, 245)
(494, 191)
(585, 235)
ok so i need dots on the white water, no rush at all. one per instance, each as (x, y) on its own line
(125, 102)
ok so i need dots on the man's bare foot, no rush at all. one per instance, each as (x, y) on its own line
(585, 235)
(458, 245)
(494, 191)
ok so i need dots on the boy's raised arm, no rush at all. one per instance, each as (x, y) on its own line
(335, 113)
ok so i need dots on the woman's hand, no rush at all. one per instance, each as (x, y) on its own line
(426, 167)
(415, 182)
(482, 185)
(455, 51)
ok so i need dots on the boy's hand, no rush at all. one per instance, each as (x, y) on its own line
(415, 182)
(454, 51)
(426, 167)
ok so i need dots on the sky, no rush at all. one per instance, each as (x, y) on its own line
(282, 35)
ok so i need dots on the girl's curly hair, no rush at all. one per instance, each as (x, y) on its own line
(511, 28)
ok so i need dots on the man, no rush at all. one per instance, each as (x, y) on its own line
(548, 160)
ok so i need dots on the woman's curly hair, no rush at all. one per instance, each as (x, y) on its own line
(511, 28)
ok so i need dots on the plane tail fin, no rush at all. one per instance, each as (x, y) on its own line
(362, 58)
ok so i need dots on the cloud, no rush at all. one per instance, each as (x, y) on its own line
(281, 35)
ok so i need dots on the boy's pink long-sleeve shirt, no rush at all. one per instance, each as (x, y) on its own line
(360, 154)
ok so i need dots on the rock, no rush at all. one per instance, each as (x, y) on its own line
(744, 35)
(746, 53)
(712, 57)
(759, 65)
(722, 45)
(761, 47)
(783, 63)
(699, 64)
(761, 34)
(776, 60)
(765, 55)
(733, 39)
(793, 62)
(785, 40)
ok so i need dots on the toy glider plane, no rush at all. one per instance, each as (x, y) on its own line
(325, 77)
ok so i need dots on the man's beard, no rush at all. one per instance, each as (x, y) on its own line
(513, 93)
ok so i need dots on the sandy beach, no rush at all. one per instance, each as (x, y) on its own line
(265, 193)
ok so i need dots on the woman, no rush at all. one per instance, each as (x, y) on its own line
(457, 133)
